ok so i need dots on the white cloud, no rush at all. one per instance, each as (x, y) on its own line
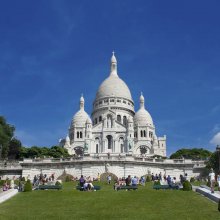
(26, 138)
(40, 138)
(216, 139)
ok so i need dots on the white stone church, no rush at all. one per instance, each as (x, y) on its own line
(114, 127)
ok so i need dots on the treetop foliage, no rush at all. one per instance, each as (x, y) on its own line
(41, 152)
(194, 154)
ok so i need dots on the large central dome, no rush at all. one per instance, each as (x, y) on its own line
(113, 85)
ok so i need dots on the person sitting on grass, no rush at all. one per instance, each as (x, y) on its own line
(5, 186)
(169, 182)
(142, 181)
(134, 181)
(88, 186)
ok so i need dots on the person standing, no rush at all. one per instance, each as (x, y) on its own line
(218, 180)
(81, 181)
(109, 178)
(128, 180)
(212, 180)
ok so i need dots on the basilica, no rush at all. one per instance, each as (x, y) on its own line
(114, 127)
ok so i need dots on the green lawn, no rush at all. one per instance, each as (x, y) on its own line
(145, 203)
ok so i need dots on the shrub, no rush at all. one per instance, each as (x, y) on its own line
(58, 183)
(192, 179)
(148, 179)
(157, 182)
(187, 186)
(28, 186)
(68, 178)
(1, 182)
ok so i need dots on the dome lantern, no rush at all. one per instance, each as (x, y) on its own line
(142, 101)
(113, 65)
(81, 102)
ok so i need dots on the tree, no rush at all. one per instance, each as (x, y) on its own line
(213, 162)
(57, 152)
(194, 154)
(40, 152)
(6, 134)
(14, 149)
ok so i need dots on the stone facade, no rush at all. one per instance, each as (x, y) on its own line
(115, 127)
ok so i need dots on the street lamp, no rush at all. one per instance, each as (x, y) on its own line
(0, 151)
(218, 151)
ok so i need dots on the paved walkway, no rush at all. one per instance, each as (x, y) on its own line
(206, 191)
(5, 195)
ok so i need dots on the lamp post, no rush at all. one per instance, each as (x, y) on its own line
(218, 151)
(0, 151)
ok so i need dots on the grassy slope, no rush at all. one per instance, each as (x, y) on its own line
(145, 203)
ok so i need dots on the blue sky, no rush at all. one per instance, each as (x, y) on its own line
(52, 51)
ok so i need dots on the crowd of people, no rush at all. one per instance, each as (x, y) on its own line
(87, 182)
(42, 179)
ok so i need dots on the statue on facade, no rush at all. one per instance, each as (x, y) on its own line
(86, 145)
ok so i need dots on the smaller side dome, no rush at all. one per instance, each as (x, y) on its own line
(88, 120)
(142, 116)
(67, 138)
(80, 118)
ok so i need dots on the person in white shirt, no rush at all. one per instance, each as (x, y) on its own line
(218, 180)
(212, 180)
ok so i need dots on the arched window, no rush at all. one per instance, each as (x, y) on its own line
(97, 145)
(141, 133)
(80, 134)
(110, 141)
(124, 120)
(144, 133)
(109, 121)
(95, 121)
(77, 134)
(119, 118)
(97, 148)
(121, 142)
(100, 118)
